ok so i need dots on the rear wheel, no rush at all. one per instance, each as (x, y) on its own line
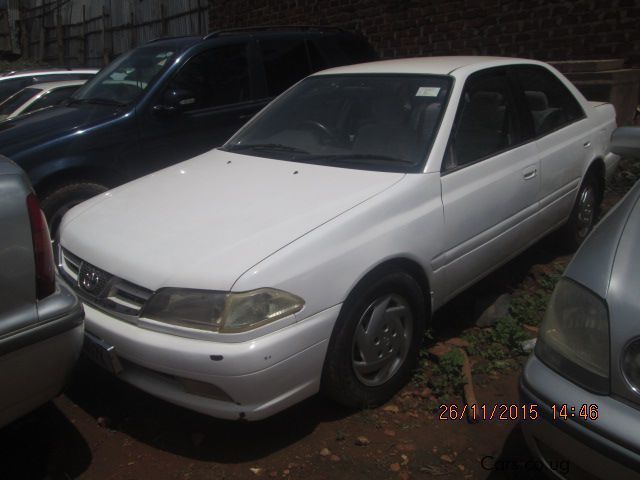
(375, 342)
(583, 215)
(58, 201)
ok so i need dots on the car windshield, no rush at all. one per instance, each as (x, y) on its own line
(376, 122)
(123, 81)
(17, 100)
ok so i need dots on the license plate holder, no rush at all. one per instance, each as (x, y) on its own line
(101, 353)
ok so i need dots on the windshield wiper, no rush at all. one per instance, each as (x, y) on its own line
(360, 158)
(274, 147)
(96, 101)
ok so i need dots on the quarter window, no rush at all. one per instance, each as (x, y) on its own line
(550, 104)
(486, 120)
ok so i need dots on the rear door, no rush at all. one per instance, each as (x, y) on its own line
(489, 182)
(563, 137)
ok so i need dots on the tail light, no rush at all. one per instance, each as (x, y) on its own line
(45, 268)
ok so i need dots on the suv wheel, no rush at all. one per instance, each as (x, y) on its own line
(60, 200)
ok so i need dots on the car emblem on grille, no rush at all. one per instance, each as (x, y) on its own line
(91, 279)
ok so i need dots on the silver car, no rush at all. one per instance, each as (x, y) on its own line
(583, 379)
(41, 320)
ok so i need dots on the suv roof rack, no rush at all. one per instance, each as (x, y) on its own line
(170, 37)
(264, 28)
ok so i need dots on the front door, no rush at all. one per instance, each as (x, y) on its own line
(221, 100)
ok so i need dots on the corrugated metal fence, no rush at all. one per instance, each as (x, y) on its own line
(93, 32)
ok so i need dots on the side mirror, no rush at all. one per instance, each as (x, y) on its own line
(175, 100)
(625, 141)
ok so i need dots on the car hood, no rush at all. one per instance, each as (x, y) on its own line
(20, 134)
(204, 222)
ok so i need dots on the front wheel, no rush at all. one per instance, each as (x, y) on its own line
(375, 342)
(583, 215)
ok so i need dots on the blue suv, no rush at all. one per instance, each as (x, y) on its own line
(164, 102)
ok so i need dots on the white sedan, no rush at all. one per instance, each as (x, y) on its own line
(309, 252)
(37, 97)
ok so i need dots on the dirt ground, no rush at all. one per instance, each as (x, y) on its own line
(102, 428)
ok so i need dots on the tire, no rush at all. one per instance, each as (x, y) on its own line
(58, 201)
(367, 362)
(583, 214)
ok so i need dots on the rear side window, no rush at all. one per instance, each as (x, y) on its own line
(216, 77)
(285, 62)
(11, 86)
(344, 49)
(486, 122)
(550, 104)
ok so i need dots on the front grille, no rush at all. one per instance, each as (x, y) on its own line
(101, 288)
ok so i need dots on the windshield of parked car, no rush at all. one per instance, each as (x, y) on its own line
(125, 79)
(376, 122)
(16, 100)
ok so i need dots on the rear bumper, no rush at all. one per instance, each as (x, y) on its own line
(246, 380)
(35, 363)
(572, 448)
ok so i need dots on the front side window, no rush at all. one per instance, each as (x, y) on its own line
(125, 79)
(373, 121)
(550, 104)
(216, 77)
(486, 122)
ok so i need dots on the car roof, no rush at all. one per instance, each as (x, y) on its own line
(428, 65)
(52, 71)
(59, 84)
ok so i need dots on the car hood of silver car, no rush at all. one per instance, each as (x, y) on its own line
(204, 222)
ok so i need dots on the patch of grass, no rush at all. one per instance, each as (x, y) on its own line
(446, 375)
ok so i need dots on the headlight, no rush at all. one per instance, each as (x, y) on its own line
(631, 364)
(221, 311)
(574, 336)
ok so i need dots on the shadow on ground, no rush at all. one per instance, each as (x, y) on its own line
(43, 445)
(165, 426)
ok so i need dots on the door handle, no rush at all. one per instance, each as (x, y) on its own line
(530, 174)
(586, 144)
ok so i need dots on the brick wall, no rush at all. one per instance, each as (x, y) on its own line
(545, 30)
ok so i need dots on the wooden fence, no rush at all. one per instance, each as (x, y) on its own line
(90, 32)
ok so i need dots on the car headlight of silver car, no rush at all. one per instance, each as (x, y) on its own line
(574, 336)
(225, 312)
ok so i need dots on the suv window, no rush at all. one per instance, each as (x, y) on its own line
(285, 62)
(486, 119)
(219, 76)
(551, 104)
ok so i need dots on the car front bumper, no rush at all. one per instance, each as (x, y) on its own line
(247, 380)
(606, 448)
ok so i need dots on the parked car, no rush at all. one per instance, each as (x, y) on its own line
(164, 102)
(310, 250)
(41, 329)
(14, 81)
(584, 375)
(36, 97)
